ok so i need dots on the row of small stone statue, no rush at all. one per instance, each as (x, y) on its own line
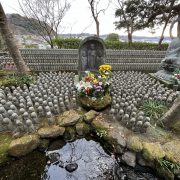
(21, 109)
(129, 91)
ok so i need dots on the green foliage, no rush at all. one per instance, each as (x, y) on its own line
(73, 43)
(16, 80)
(112, 37)
(154, 109)
(67, 43)
(167, 165)
(101, 133)
(31, 46)
(129, 13)
(135, 46)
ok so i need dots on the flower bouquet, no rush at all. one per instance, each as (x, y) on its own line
(176, 78)
(94, 88)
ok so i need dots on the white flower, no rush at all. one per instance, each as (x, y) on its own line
(93, 98)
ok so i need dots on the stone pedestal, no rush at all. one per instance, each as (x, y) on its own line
(95, 103)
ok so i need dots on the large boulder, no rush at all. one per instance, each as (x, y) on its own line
(68, 118)
(24, 145)
(51, 131)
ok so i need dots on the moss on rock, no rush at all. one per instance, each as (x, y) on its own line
(68, 118)
(134, 144)
(70, 134)
(172, 151)
(152, 151)
(96, 104)
(5, 140)
(24, 145)
(82, 128)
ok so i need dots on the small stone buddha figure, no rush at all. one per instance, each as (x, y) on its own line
(171, 61)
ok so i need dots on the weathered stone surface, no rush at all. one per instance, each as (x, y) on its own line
(68, 118)
(152, 151)
(70, 134)
(89, 116)
(24, 145)
(134, 144)
(172, 117)
(51, 131)
(96, 104)
(82, 128)
(129, 158)
(172, 151)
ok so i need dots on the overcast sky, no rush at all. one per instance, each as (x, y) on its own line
(78, 19)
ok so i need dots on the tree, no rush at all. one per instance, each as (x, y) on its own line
(159, 12)
(48, 15)
(112, 37)
(129, 13)
(96, 12)
(11, 43)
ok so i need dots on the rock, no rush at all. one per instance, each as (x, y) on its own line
(56, 144)
(43, 144)
(115, 136)
(89, 116)
(71, 167)
(166, 174)
(53, 157)
(68, 118)
(51, 131)
(95, 103)
(171, 118)
(70, 134)
(172, 151)
(152, 151)
(129, 158)
(24, 145)
(82, 129)
(134, 144)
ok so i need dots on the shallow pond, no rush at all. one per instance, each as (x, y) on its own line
(79, 160)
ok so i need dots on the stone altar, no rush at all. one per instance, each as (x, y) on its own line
(91, 54)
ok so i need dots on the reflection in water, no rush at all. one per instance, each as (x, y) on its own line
(86, 159)
(79, 160)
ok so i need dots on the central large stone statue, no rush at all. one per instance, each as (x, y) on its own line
(91, 54)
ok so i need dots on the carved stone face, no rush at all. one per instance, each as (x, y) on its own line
(92, 46)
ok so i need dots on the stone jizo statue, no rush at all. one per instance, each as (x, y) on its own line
(91, 54)
(171, 60)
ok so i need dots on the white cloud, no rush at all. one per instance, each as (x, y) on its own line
(78, 19)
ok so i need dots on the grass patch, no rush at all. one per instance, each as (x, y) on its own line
(154, 110)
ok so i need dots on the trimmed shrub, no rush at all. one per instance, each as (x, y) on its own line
(73, 43)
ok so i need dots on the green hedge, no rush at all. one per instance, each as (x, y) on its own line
(73, 43)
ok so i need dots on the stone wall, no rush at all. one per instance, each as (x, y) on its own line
(67, 59)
